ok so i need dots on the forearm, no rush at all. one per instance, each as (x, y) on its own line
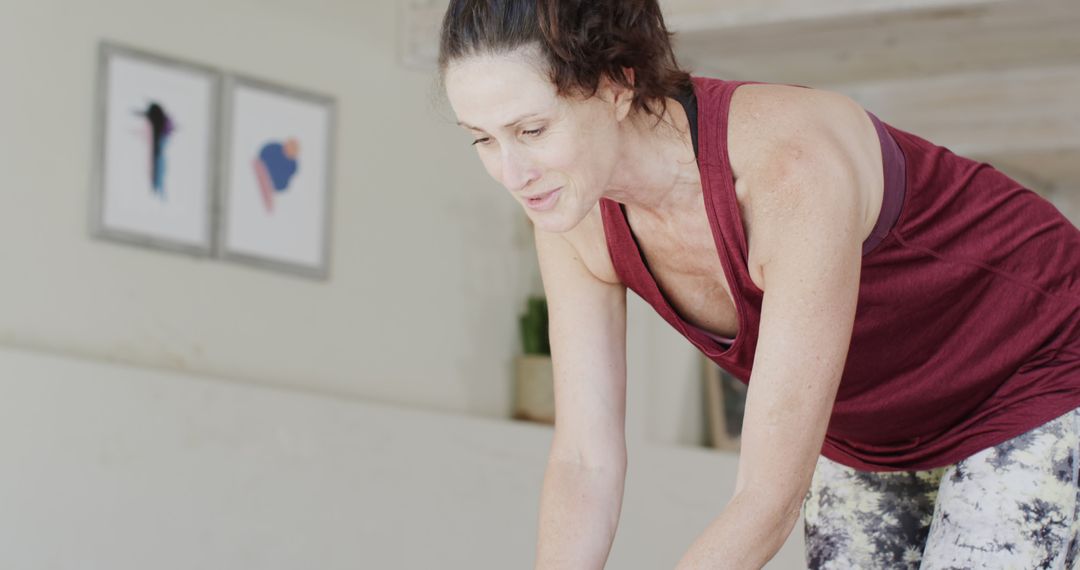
(579, 512)
(746, 535)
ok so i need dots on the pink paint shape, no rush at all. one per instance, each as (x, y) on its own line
(264, 184)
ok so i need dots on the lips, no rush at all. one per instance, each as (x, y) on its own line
(545, 201)
(543, 195)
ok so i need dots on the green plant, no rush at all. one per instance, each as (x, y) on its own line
(534, 326)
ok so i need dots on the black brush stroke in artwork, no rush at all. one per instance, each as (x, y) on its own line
(161, 126)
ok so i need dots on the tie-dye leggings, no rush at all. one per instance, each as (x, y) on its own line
(1016, 505)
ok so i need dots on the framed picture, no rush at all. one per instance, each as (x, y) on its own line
(154, 166)
(419, 24)
(725, 400)
(276, 187)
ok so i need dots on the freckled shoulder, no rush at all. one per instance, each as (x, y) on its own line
(769, 120)
(763, 115)
(589, 240)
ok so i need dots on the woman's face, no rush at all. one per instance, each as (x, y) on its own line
(555, 155)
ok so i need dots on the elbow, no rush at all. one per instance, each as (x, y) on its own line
(609, 462)
(778, 514)
(790, 515)
(786, 512)
(783, 515)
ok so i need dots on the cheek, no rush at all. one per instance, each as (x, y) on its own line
(581, 154)
(564, 159)
(583, 169)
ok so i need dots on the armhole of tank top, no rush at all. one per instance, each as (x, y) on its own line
(895, 187)
(607, 242)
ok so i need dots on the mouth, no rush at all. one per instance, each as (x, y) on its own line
(543, 201)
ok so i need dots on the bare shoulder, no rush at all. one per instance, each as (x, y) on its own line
(780, 136)
(590, 242)
(765, 119)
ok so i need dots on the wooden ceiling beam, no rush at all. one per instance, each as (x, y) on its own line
(1020, 111)
(687, 16)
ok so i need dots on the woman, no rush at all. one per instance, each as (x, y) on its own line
(907, 320)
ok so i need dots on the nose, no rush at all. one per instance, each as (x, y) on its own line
(517, 172)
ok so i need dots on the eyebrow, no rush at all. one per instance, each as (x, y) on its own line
(507, 125)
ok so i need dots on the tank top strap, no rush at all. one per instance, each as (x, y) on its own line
(718, 181)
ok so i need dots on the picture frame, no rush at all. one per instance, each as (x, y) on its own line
(725, 402)
(419, 24)
(276, 186)
(154, 172)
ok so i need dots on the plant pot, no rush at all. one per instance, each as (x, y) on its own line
(534, 389)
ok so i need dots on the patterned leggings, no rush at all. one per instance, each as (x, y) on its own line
(1016, 505)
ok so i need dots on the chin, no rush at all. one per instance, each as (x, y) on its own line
(554, 221)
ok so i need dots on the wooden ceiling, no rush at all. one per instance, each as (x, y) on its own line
(994, 80)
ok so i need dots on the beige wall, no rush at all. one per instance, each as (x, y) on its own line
(431, 259)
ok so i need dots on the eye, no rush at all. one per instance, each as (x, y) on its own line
(532, 132)
(481, 141)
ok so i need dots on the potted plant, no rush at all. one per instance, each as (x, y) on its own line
(534, 394)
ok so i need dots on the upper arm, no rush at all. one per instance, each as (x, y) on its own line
(587, 327)
(806, 210)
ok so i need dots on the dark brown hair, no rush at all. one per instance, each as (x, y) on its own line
(582, 41)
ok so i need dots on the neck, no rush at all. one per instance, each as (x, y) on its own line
(657, 173)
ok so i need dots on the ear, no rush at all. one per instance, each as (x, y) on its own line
(620, 97)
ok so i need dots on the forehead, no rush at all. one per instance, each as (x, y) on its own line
(488, 91)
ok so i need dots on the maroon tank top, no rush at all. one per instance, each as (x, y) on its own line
(967, 327)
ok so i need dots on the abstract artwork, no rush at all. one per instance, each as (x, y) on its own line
(276, 187)
(154, 169)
